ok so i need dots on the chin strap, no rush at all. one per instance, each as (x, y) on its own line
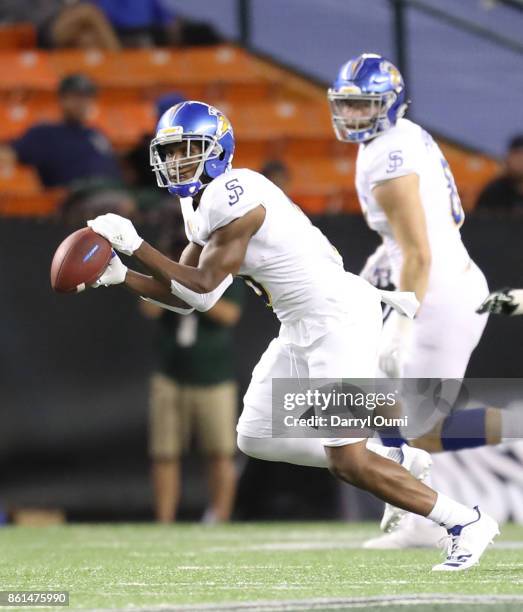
(201, 301)
(185, 191)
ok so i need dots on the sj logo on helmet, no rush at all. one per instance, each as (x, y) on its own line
(395, 76)
(223, 126)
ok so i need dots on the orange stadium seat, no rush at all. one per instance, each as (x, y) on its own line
(258, 149)
(322, 201)
(15, 119)
(17, 36)
(246, 159)
(22, 193)
(26, 70)
(137, 68)
(276, 120)
(31, 205)
(322, 172)
(323, 184)
(275, 115)
(19, 180)
(224, 63)
(159, 66)
(125, 123)
(234, 93)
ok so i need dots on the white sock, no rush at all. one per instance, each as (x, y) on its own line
(450, 513)
(209, 517)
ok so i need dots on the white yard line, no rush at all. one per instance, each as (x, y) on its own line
(308, 545)
(332, 603)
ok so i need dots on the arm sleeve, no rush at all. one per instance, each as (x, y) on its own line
(182, 311)
(200, 301)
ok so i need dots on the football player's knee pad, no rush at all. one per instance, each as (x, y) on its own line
(298, 451)
(464, 429)
(258, 448)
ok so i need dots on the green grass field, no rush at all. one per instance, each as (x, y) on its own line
(294, 566)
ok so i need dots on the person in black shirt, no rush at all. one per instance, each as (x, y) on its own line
(505, 193)
(67, 150)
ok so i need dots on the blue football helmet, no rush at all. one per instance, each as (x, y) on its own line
(194, 144)
(367, 98)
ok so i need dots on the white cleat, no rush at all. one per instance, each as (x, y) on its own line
(418, 463)
(413, 532)
(467, 543)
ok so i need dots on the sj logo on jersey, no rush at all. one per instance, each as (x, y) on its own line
(395, 161)
(236, 191)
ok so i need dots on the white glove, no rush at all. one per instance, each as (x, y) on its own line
(377, 270)
(396, 338)
(114, 274)
(504, 301)
(118, 230)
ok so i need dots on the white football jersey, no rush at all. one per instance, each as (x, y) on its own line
(405, 149)
(289, 262)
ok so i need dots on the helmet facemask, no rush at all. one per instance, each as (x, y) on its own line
(359, 117)
(179, 161)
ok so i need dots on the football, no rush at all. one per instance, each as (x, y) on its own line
(79, 261)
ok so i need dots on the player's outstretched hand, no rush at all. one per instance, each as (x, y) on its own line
(118, 230)
(505, 301)
(114, 274)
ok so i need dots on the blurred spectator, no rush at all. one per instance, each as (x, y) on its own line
(505, 194)
(63, 23)
(155, 205)
(146, 23)
(71, 154)
(194, 394)
(91, 198)
(277, 172)
(69, 149)
(137, 162)
(149, 23)
(195, 33)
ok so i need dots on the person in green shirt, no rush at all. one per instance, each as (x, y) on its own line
(194, 394)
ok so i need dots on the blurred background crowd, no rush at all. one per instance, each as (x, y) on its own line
(101, 398)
